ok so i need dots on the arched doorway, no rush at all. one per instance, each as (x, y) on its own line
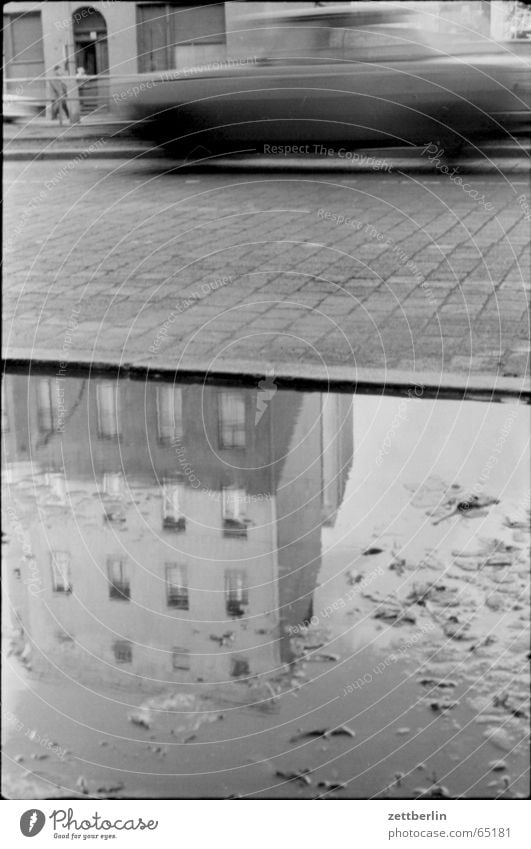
(91, 55)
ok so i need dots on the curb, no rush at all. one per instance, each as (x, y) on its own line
(292, 375)
(480, 165)
(71, 153)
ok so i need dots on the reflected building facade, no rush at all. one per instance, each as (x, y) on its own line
(166, 533)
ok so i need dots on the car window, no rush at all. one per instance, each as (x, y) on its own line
(384, 43)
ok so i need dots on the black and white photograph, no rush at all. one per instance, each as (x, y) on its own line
(265, 414)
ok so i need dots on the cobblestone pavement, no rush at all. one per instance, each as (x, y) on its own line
(120, 261)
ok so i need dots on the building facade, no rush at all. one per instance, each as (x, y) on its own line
(163, 532)
(109, 42)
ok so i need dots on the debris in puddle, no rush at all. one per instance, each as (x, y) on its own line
(340, 731)
(141, 719)
(497, 766)
(308, 735)
(466, 508)
(115, 788)
(456, 630)
(300, 775)
(395, 614)
(499, 738)
(330, 786)
(437, 791)
(323, 658)
(354, 578)
(443, 705)
(398, 565)
(503, 702)
(82, 784)
(433, 682)
(372, 550)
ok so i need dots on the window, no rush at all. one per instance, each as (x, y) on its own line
(60, 563)
(172, 516)
(177, 586)
(5, 417)
(180, 659)
(57, 483)
(113, 483)
(113, 490)
(169, 414)
(198, 24)
(123, 651)
(47, 406)
(233, 512)
(23, 45)
(171, 36)
(63, 637)
(384, 43)
(231, 420)
(236, 593)
(239, 667)
(107, 403)
(118, 577)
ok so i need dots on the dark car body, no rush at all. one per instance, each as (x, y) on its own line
(370, 83)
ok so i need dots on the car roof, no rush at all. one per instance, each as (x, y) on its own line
(363, 14)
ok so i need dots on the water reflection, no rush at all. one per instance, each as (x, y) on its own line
(212, 594)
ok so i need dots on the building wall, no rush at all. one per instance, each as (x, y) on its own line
(245, 36)
(57, 501)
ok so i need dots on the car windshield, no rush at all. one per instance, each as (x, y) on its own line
(354, 37)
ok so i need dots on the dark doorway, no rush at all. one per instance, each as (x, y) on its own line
(92, 57)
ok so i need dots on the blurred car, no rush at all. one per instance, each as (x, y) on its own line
(15, 107)
(341, 76)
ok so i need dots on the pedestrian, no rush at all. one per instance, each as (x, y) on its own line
(59, 93)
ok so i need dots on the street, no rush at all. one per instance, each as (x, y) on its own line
(266, 414)
(133, 261)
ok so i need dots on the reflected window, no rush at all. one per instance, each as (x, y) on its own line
(113, 483)
(177, 586)
(383, 43)
(172, 497)
(57, 483)
(231, 420)
(233, 506)
(48, 405)
(123, 651)
(61, 580)
(239, 667)
(180, 659)
(118, 577)
(107, 403)
(236, 593)
(5, 417)
(113, 489)
(169, 414)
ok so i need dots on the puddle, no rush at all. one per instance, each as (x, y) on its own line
(226, 592)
